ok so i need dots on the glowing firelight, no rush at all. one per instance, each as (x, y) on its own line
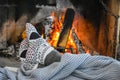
(55, 33)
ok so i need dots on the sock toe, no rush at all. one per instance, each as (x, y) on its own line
(31, 31)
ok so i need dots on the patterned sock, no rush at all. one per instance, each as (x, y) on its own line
(23, 49)
(31, 32)
(33, 39)
(38, 49)
(22, 54)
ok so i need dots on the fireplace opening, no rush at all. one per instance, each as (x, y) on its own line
(91, 21)
(92, 30)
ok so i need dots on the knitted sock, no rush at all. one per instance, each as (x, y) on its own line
(22, 54)
(40, 46)
(33, 41)
(23, 49)
(39, 51)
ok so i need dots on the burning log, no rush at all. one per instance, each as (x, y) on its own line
(67, 25)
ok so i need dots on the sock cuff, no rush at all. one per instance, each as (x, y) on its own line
(43, 50)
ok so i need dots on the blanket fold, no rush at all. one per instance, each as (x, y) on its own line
(71, 67)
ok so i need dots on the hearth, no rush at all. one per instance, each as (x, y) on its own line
(93, 27)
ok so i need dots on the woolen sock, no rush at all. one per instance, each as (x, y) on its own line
(31, 61)
(39, 51)
(23, 49)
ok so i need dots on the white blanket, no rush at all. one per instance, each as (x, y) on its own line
(71, 67)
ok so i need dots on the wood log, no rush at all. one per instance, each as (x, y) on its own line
(67, 25)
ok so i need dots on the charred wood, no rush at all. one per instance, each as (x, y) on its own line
(67, 26)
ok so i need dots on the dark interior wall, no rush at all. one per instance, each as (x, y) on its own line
(3, 15)
(7, 11)
(25, 7)
(29, 6)
(16, 8)
(91, 10)
(20, 11)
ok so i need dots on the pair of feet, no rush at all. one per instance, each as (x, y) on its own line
(34, 49)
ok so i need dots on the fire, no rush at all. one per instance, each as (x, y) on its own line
(24, 35)
(71, 44)
(55, 33)
(85, 32)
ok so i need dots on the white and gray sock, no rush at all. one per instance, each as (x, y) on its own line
(39, 51)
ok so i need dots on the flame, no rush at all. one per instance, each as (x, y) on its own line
(56, 29)
(85, 33)
(24, 35)
(55, 33)
(71, 44)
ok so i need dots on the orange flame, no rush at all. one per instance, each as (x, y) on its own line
(55, 33)
(24, 35)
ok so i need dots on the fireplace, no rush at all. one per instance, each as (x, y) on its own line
(94, 29)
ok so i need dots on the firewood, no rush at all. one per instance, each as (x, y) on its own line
(67, 26)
